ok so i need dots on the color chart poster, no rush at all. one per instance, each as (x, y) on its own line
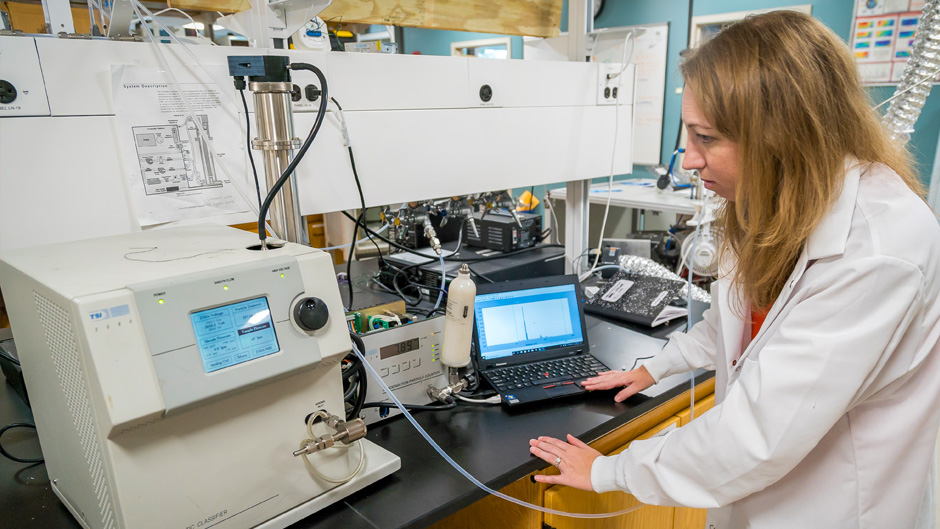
(883, 34)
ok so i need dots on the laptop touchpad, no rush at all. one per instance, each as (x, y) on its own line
(565, 389)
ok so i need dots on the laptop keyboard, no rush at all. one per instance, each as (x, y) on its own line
(547, 373)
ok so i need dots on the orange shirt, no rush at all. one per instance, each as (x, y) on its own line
(757, 320)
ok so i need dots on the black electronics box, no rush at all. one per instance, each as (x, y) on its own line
(537, 262)
(416, 239)
(499, 231)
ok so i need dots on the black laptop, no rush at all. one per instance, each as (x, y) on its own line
(530, 341)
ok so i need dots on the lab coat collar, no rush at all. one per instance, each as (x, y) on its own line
(827, 240)
(830, 236)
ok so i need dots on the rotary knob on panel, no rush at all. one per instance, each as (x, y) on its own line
(311, 314)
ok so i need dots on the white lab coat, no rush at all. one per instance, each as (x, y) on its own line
(829, 417)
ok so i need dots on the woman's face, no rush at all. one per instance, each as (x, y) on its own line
(716, 158)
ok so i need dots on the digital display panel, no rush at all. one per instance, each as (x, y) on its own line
(524, 321)
(232, 334)
(399, 348)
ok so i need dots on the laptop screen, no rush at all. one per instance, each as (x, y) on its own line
(529, 320)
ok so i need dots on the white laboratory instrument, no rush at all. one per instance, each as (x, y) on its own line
(408, 360)
(171, 373)
(458, 326)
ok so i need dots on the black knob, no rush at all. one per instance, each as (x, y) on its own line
(7, 92)
(312, 92)
(311, 314)
(486, 92)
(295, 94)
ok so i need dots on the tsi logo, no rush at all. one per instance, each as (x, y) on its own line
(99, 315)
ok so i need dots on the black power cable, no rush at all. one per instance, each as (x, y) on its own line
(362, 214)
(251, 157)
(349, 259)
(358, 372)
(481, 276)
(451, 404)
(6, 454)
(303, 148)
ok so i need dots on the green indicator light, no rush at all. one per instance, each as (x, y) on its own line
(160, 301)
(282, 275)
(225, 287)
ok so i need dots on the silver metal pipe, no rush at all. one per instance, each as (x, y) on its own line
(276, 141)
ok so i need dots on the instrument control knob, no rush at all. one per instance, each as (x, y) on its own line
(311, 314)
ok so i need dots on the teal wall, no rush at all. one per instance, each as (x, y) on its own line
(437, 42)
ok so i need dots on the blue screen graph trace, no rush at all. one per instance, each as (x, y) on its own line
(529, 320)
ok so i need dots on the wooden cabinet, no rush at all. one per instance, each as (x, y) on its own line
(701, 406)
(492, 512)
(496, 513)
(688, 518)
(574, 500)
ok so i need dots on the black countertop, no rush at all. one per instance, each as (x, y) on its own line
(492, 443)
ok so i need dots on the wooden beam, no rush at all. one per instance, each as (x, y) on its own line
(223, 6)
(537, 18)
(31, 19)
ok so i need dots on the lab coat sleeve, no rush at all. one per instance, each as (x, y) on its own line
(819, 363)
(687, 351)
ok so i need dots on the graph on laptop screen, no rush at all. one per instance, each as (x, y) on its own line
(522, 321)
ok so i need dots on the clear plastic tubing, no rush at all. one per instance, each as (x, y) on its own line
(458, 468)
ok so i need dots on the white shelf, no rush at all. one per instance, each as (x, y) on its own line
(640, 194)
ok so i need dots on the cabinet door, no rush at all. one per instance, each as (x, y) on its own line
(688, 518)
(574, 500)
(495, 513)
(701, 407)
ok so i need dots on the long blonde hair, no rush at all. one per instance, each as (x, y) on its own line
(786, 89)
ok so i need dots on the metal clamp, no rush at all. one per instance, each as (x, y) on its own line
(456, 385)
(275, 145)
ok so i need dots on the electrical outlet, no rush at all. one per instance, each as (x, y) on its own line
(606, 83)
(611, 89)
(22, 89)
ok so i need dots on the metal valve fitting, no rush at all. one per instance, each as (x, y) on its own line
(346, 432)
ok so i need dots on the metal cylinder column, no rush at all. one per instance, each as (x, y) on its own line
(276, 141)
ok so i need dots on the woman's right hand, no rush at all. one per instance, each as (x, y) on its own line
(632, 382)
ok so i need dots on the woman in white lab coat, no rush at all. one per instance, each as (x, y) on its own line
(827, 411)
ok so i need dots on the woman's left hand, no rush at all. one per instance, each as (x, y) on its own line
(574, 460)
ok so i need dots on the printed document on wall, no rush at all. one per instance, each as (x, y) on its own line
(180, 155)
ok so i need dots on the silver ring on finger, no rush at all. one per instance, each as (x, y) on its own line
(557, 461)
